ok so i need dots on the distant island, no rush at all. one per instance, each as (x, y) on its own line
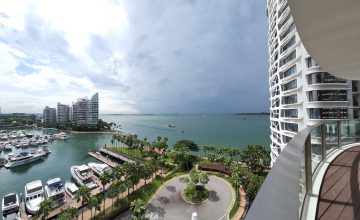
(253, 113)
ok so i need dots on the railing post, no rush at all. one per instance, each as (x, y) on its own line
(308, 165)
(323, 146)
(338, 123)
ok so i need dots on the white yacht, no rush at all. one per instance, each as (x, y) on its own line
(46, 150)
(24, 158)
(83, 176)
(33, 142)
(55, 192)
(34, 195)
(71, 189)
(10, 207)
(99, 168)
(8, 147)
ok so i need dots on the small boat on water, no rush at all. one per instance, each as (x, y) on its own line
(24, 157)
(99, 168)
(8, 147)
(46, 150)
(172, 126)
(34, 195)
(55, 192)
(71, 189)
(83, 176)
(11, 207)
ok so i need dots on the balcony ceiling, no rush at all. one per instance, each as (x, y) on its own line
(330, 31)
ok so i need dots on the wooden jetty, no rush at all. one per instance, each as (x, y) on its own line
(103, 159)
(116, 156)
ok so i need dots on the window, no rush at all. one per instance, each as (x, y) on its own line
(288, 31)
(327, 95)
(289, 126)
(310, 62)
(291, 99)
(290, 85)
(288, 72)
(286, 139)
(328, 113)
(288, 44)
(289, 58)
(289, 113)
(323, 77)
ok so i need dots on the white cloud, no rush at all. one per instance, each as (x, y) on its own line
(158, 56)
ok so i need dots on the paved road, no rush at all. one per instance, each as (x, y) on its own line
(168, 203)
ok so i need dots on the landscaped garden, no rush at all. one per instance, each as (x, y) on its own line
(245, 167)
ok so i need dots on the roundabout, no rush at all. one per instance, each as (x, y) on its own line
(169, 204)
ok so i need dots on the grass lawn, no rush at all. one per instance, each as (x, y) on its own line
(134, 153)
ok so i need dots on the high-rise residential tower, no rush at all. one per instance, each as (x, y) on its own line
(63, 113)
(301, 92)
(85, 112)
(49, 115)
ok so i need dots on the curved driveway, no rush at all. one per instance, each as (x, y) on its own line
(168, 203)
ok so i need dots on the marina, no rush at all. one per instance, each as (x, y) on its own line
(81, 148)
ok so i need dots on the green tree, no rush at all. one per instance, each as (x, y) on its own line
(138, 209)
(69, 213)
(254, 185)
(83, 195)
(44, 210)
(187, 144)
(113, 191)
(194, 177)
(204, 178)
(94, 202)
(254, 156)
(105, 178)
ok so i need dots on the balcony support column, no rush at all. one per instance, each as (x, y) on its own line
(323, 145)
(338, 123)
(308, 165)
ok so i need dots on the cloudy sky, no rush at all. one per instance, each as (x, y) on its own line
(154, 56)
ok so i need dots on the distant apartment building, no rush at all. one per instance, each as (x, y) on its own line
(49, 115)
(301, 92)
(85, 112)
(63, 114)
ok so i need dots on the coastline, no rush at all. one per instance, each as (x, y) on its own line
(100, 132)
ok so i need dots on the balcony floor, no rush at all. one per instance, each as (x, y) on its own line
(340, 190)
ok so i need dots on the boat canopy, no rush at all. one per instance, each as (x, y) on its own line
(54, 182)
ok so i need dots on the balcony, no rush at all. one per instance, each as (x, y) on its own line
(315, 177)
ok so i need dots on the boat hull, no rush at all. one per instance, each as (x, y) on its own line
(23, 162)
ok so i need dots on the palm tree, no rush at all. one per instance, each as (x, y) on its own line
(117, 173)
(113, 191)
(83, 194)
(112, 141)
(138, 209)
(69, 213)
(205, 147)
(105, 178)
(44, 210)
(93, 203)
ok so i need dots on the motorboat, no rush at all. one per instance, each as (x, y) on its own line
(33, 142)
(71, 189)
(29, 135)
(11, 207)
(46, 150)
(99, 168)
(8, 147)
(3, 161)
(172, 126)
(24, 157)
(83, 176)
(4, 138)
(55, 192)
(34, 195)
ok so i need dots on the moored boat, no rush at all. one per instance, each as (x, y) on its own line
(55, 192)
(83, 176)
(71, 189)
(24, 157)
(10, 207)
(99, 168)
(34, 195)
